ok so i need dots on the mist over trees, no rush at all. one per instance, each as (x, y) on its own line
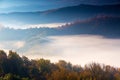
(14, 67)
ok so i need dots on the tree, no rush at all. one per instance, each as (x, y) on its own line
(13, 67)
(16, 63)
(3, 62)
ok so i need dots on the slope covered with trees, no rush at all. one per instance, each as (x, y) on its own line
(107, 26)
(65, 14)
(14, 67)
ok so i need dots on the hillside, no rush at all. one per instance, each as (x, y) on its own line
(107, 26)
(66, 14)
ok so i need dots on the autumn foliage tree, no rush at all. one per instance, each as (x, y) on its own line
(14, 67)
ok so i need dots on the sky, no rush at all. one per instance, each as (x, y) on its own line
(7, 6)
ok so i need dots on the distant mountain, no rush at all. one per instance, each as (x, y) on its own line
(107, 26)
(66, 14)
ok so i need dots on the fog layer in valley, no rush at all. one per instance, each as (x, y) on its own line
(78, 49)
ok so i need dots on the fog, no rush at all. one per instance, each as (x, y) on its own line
(77, 49)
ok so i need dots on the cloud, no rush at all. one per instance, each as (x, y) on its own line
(11, 45)
(1, 26)
(19, 44)
(85, 49)
(21, 25)
(78, 49)
(50, 25)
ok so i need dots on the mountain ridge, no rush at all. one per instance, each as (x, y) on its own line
(93, 5)
(107, 26)
(60, 15)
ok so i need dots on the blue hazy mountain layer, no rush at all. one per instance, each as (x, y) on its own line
(66, 14)
(107, 26)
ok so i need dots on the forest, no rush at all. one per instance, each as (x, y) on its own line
(15, 67)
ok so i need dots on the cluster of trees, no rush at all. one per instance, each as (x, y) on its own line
(14, 67)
